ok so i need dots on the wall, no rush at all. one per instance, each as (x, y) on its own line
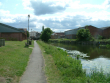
(106, 33)
(94, 31)
(13, 36)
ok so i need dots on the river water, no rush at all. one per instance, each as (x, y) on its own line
(92, 57)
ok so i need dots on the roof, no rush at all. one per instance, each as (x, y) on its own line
(105, 27)
(24, 29)
(75, 29)
(58, 33)
(6, 28)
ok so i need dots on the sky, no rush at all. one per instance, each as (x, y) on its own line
(59, 15)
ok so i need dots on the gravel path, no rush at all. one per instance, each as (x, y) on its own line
(34, 72)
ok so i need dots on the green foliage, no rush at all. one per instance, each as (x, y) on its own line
(2, 38)
(46, 34)
(69, 68)
(108, 46)
(42, 28)
(100, 37)
(27, 34)
(83, 35)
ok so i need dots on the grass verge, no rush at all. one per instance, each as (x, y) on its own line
(60, 68)
(13, 61)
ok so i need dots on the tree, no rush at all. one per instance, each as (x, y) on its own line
(46, 34)
(27, 34)
(83, 35)
(42, 28)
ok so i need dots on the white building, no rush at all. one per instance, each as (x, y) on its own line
(32, 33)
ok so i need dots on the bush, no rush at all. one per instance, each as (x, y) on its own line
(100, 37)
(46, 34)
(83, 35)
(2, 38)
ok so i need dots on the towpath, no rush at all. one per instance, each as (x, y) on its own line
(34, 72)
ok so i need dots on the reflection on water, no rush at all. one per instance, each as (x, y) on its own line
(92, 57)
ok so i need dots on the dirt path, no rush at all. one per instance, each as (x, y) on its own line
(34, 71)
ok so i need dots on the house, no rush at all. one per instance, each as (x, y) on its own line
(12, 33)
(58, 35)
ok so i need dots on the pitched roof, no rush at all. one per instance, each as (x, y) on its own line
(9, 29)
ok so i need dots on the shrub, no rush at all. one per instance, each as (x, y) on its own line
(46, 34)
(83, 35)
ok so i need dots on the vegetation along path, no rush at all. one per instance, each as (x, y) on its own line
(34, 72)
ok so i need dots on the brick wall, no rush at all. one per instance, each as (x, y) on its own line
(0, 34)
(13, 36)
(94, 31)
(106, 33)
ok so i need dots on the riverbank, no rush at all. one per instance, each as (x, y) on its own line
(74, 41)
(61, 68)
(13, 61)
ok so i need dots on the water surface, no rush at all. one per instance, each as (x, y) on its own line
(92, 57)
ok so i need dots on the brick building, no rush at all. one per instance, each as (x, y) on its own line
(12, 33)
(106, 32)
(94, 31)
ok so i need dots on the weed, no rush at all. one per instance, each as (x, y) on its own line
(67, 68)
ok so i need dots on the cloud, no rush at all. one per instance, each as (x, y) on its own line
(72, 22)
(60, 19)
(16, 4)
(27, 4)
(57, 23)
(78, 5)
(0, 3)
(42, 8)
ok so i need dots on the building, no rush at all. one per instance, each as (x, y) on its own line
(71, 34)
(58, 35)
(12, 33)
(38, 35)
(34, 35)
(95, 32)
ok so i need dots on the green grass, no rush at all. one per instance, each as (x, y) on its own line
(13, 60)
(60, 68)
(97, 40)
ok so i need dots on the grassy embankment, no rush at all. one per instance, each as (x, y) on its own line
(13, 61)
(97, 40)
(60, 68)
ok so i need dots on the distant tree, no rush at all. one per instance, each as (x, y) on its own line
(46, 34)
(27, 34)
(83, 35)
(42, 28)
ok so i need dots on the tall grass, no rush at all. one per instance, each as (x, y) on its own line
(13, 60)
(69, 68)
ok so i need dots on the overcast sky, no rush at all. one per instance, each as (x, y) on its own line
(59, 15)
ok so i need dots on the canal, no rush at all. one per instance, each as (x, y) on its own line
(92, 57)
